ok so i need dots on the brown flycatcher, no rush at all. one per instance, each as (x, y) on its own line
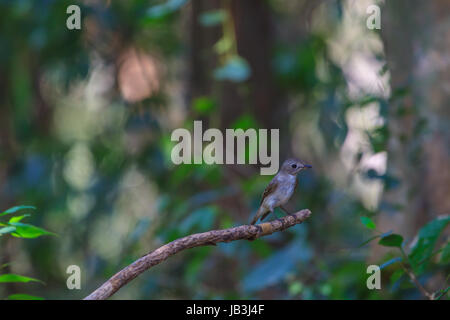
(280, 189)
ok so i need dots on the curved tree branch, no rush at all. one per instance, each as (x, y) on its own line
(247, 232)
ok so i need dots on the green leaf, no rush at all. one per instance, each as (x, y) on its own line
(223, 45)
(426, 240)
(29, 231)
(245, 122)
(213, 17)
(10, 277)
(161, 10)
(23, 296)
(396, 276)
(6, 230)
(199, 220)
(204, 105)
(15, 209)
(368, 222)
(18, 218)
(236, 69)
(261, 248)
(445, 257)
(391, 261)
(392, 240)
(295, 288)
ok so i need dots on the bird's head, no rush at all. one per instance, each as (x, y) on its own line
(294, 166)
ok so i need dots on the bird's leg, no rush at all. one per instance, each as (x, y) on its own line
(284, 209)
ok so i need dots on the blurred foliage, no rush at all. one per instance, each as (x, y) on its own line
(97, 163)
(19, 230)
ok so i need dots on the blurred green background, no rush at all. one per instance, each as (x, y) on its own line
(85, 123)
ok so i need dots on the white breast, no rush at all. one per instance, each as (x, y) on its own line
(287, 190)
(286, 186)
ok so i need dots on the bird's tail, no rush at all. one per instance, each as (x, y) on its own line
(258, 214)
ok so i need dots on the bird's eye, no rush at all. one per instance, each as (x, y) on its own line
(294, 166)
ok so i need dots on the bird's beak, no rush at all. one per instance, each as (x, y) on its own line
(307, 166)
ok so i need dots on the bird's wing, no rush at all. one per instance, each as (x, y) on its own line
(269, 189)
(296, 184)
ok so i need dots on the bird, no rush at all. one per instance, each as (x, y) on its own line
(280, 188)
